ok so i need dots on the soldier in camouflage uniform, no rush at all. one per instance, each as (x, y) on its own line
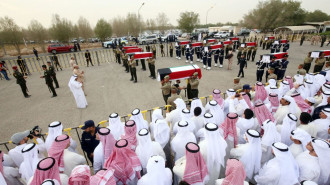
(20, 80)
(52, 73)
(48, 79)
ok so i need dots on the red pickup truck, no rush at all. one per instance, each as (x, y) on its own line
(58, 48)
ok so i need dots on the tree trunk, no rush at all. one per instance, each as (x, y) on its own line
(16, 45)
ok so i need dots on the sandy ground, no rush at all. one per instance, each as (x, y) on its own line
(109, 90)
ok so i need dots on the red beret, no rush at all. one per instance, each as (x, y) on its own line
(14, 67)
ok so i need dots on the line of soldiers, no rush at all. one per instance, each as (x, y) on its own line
(130, 64)
(319, 62)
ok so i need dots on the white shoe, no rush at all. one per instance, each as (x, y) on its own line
(208, 68)
(220, 66)
(215, 65)
(176, 57)
(191, 62)
(204, 66)
(187, 61)
(179, 58)
(201, 61)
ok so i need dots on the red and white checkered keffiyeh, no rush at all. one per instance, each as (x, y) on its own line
(304, 107)
(46, 169)
(196, 168)
(80, 175)
(107, 140)
(103, 177)
(228, 127)
(261, 93)
(235, 173)
(57, 149)
(289, 79)
(247, 100)
(130, 134)
(217, 97)
(274, 102)
(124, 161)
(262, 113)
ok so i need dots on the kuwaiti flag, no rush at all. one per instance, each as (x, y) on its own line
(270, 38)
(129, 47)
(267, 57)
(184, 42)
(133, 50)
(216, 46)
(227, 42)
(234, 39)
(196, 44)
(284, 41)
(211, 40)
(317, 54)
(180, 72)
(251, 44)
(143, 55)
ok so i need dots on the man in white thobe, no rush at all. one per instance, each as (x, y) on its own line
(78, 93)
(323, 124)
(287, 105)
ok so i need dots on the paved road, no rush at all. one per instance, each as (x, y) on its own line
(109, 90)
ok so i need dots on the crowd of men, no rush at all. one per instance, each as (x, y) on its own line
(271, 134)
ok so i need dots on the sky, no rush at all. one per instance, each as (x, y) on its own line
(23, 11)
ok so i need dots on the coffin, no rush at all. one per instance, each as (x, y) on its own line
(180, 72)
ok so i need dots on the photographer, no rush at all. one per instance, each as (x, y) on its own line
(21, 139)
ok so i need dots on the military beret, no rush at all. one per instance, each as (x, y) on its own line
(272, 69)
(44, 66)
(166, 77)
(49, 62)
(236, 78)
(195, 73)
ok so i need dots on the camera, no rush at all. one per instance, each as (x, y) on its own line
(35, 132)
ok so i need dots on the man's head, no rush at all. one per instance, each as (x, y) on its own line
(195, 75)
(271, 70)
(309, 54)
(72, 58)
(272, 58)
(310, 100)
(236, 80)
(242, 56)
(20, 137)
(49, 63)
(325, 113)
(174, 90)
(305, 118)
(197, 111)
(327, 64)
(89, 126)
(285, 57)
(14, 68)
(322, 55)
(284, 102)
(300, 66)
(167, 78)
(246, 88)
(87, 50)
(44, 67)
(75, 66)
(248, 114)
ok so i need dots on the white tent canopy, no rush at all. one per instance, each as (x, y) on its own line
(296, 29)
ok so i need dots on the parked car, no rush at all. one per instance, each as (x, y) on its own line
(170, 38)
(244, 33)
(58, 48)
(152, 39)
(108, 44)
(222, 34)
(92, 40)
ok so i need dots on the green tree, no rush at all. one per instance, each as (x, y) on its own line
(119, 26)
(84, 28)
(271, 14)
(11, 33)
(61, 29)
(133, 28)
(317, 16)
(162, 21)
(38, 33)
(103, 29)
(188, 21)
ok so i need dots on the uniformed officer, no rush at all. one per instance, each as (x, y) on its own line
(221, 57)
(245, 50)
(56, 63)
(183, 47)
(194, 82)
(171, 50)
(178, 51)
(273, 48)
(242, 63)
(166, 88)
(148, 48)
(20, 80)
(118, 53)
(209, 58)
(278, 48)
(254, 52)
(187, 53)
(239, 53)
(132, 64)
(319, 63)
(52, 73)
(198, 53)
(191, 51)
(154, 50)
(49, 81)
(249, 52)
(151, 62)
(273, 64)
(88, 58)
(237, 84)
(216, 57)
(260, 69)
(264, 43)
(283, 66)
(271, 74)
(22, 65)
(204, 57)
(173, 97)
(89, 140)
(286, 46)
(162, 49)
(125, 61)
(308, 61)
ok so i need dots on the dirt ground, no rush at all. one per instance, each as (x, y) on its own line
(109, 90)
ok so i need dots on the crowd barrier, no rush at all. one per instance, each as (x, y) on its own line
(76, 132)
